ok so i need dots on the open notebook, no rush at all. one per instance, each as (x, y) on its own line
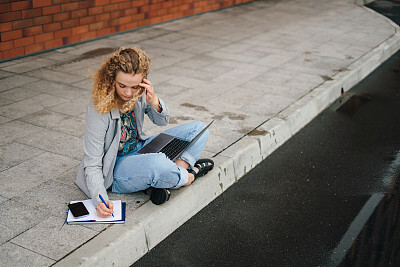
(92, 218)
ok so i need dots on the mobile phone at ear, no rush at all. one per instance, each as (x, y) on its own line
(78, 209)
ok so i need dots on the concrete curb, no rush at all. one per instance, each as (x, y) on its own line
(148, 225)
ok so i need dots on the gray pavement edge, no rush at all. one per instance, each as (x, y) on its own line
(122, 245)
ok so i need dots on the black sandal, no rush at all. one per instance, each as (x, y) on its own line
(159, 196)
(204, 166)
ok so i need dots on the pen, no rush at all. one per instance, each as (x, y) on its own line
(102, 199)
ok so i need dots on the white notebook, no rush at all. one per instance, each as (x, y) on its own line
(93, 218)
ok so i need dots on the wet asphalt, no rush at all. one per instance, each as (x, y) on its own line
(328, 196)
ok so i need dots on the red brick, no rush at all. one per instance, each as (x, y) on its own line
(21, 5)
(53, 43)
(11, 35)
(80, 29)
(95, 10)
(34, 48)
(131, 11)
(118, 1)
(110, 8)
(24, 41)
(6, 45)
(132, 25)
(13, 53)
(156, 20)
(62, 33)
(87, 20)
(105, 31)
(125, 20)
(71, 39)
(138, 3)
(5, 27)
(144, 9)
(61, 16)
(30, 13)
(52, 27)
(96, 26)
(79, 13)
(43, 20)
(138, 17)
(51, 9)
(87, 36)
(117, 14)
(125, 5)
(61, 2)
(69, 7)
(84, 4)
(32, 31)
(44, 37)
(1, 56)
(5, 8)
(142, 23)
(103, 17)
(70, 23)
(19, 24)
(101, 2)
(155, 6)
(10, 16)
(41, 3)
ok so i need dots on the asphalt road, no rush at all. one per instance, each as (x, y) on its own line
(328, 196)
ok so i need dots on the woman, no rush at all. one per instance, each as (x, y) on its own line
(121, 96)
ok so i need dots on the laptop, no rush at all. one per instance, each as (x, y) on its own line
(171, 146)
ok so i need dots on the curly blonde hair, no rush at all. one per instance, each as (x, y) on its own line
(129, 60)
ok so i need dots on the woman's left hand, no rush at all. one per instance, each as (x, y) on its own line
(151, 96)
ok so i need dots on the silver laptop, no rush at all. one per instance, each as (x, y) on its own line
(171, 146)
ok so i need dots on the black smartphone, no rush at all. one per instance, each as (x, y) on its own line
(78, 209)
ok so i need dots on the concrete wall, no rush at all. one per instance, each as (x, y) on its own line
(34, 25)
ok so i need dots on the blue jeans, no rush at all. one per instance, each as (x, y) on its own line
(135, 172)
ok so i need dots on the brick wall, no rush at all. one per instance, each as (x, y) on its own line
(34, 25)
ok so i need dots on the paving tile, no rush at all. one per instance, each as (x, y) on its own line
(15, 81)
(51, 75)
(4, 119)
(3, 199)
(5, 235)
(52, 141)
(19, 93)
(15, 153)
(32, 173)
(57, 89)
(53, 239)
(68, 177)
(57, 122)
(30, 105)
(14, 255)
(5, 102)
(18, 217)
(28, 66)
(85, 84)
(4, 74)
(51, 197)
(191, 73)
(15, 130)
(73, 107)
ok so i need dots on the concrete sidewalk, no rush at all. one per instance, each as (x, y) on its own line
(263, 70)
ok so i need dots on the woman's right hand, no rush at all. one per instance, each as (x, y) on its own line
(103, 211)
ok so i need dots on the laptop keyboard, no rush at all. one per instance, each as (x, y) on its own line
(173, 148)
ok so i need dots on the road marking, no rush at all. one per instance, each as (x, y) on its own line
(390, 176)
(354, 230)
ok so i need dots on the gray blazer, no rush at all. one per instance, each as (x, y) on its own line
(100, 145)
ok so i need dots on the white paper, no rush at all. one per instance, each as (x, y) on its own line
(93, 217)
